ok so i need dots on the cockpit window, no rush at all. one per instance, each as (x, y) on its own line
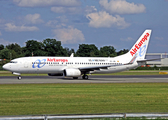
(13, 62)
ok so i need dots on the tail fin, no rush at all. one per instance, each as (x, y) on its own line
(138, 51)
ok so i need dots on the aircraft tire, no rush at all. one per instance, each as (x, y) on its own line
(19, 77)
(85, 77)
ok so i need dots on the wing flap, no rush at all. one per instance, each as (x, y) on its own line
(97, 67)
(94, 68)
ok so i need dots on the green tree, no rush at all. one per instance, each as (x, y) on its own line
(5, 53)
(108, 51)
(121, 52)
(86, 50)
(15, 50)
(53, 47)
(34, 47)
(1, 47)
(69, 51)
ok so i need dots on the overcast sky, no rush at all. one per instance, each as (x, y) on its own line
(117, 23)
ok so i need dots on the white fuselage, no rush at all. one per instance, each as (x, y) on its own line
(59, 64)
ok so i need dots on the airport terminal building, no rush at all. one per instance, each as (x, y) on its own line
(163, 62)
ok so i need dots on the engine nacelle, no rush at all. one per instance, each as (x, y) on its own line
(55, 74)
(72, 72)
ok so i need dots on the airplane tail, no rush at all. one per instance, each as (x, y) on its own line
(138, 51)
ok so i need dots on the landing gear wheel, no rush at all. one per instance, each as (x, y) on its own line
(85, 77)
(19, 77)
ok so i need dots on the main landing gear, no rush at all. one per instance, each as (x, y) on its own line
(19, 77)
(85, 76)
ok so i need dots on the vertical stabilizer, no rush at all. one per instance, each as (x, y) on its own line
(138, 51)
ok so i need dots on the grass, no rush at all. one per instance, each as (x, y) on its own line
(37, 99)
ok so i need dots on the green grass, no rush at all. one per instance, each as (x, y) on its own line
(36, 99)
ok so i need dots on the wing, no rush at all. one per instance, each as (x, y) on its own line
(92, 68)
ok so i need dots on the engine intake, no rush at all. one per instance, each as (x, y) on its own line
(72, 72)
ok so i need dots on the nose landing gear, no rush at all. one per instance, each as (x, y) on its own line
(19, 77)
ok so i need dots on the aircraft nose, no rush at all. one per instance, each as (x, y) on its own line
(5, 66)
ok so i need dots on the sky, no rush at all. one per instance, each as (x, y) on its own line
(117, 23)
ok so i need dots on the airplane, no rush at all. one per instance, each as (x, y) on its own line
(82, 66)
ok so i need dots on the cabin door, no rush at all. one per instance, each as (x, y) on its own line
(26, 64)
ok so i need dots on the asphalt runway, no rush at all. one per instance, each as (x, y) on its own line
(92, 79)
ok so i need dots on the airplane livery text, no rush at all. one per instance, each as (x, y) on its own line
(137, 46)
(56, 60)
(40, 63)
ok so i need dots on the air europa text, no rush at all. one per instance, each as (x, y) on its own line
(56, 60)
(137, 46)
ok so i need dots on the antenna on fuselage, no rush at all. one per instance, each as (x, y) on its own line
(72, 55)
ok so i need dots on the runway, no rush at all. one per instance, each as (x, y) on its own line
(92, 79)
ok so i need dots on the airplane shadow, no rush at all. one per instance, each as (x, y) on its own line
(90, 79)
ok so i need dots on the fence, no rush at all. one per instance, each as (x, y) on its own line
(123, 115)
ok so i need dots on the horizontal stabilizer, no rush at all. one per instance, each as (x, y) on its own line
(145, 60)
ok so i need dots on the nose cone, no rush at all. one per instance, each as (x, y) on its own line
(5, 67)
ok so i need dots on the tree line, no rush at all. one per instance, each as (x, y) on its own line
(52, 47)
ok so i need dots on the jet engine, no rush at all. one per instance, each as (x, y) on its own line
(72, 72)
